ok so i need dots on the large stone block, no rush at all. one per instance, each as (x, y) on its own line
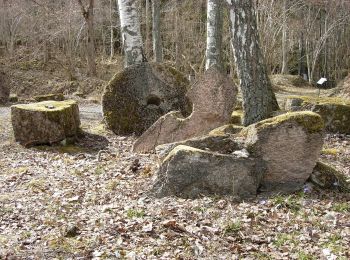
(136, 97)
(289, 146)
(213, 97)
(189, 172)
(276, 155)
(45, 122)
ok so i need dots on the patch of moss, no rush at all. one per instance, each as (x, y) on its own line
(226, 129)
(182, 149)
(330, 151)
(311, 121)
(236, 117)
(47, 106)
(322, 100)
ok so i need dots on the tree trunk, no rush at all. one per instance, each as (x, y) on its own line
(111, 53)
(178, 38)
(131, 32)
(284, 40)
(89, 19)
(259, 101)
(157, 40)
(147, 22)
(214, 34)
(91, 57)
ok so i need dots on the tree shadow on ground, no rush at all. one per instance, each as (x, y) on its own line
(87, 143)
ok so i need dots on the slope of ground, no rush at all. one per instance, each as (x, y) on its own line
(342, 89)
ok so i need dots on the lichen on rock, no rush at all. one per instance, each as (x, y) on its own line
(334, 111)
(311, 121)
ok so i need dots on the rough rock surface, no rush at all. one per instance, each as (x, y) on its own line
(46, 122)
(55, 97)
(226, 129)
(327, 177)
(136, 97)
(4, 89)
(334, 111)
(189, 172)
(289, 146)
(223, 144)
(213, 98)
(276, 155)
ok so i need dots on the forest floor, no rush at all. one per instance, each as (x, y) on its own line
(90, 201)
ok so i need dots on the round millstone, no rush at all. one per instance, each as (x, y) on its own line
(137, 96)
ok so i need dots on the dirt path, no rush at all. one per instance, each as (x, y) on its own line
(90, 200)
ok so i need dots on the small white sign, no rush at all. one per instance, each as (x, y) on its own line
(321, 81)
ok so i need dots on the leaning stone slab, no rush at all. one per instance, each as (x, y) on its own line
(189, 173)
(46, 122)
(334, 111)
(4, 89)
(139, 95)
(288, 146)
(213, 98)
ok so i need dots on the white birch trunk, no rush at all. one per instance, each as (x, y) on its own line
(285, 69)
(214, 34)
(131, 32)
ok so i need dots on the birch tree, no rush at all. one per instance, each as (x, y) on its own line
(285, 69)
(214, 34)
(259, 101)
(157, 41)
(131, 32)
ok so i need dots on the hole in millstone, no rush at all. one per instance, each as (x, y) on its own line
(153, 100)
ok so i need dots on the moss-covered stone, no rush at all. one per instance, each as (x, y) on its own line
(137, 96)
(55, 97)
(334, 111)
(311, 121)
(237, 117)
(226, 129)
(327, 177)
(188, 172)
(45, 122)
(288, 147)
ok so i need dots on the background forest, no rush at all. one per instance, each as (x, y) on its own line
(305, 37)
